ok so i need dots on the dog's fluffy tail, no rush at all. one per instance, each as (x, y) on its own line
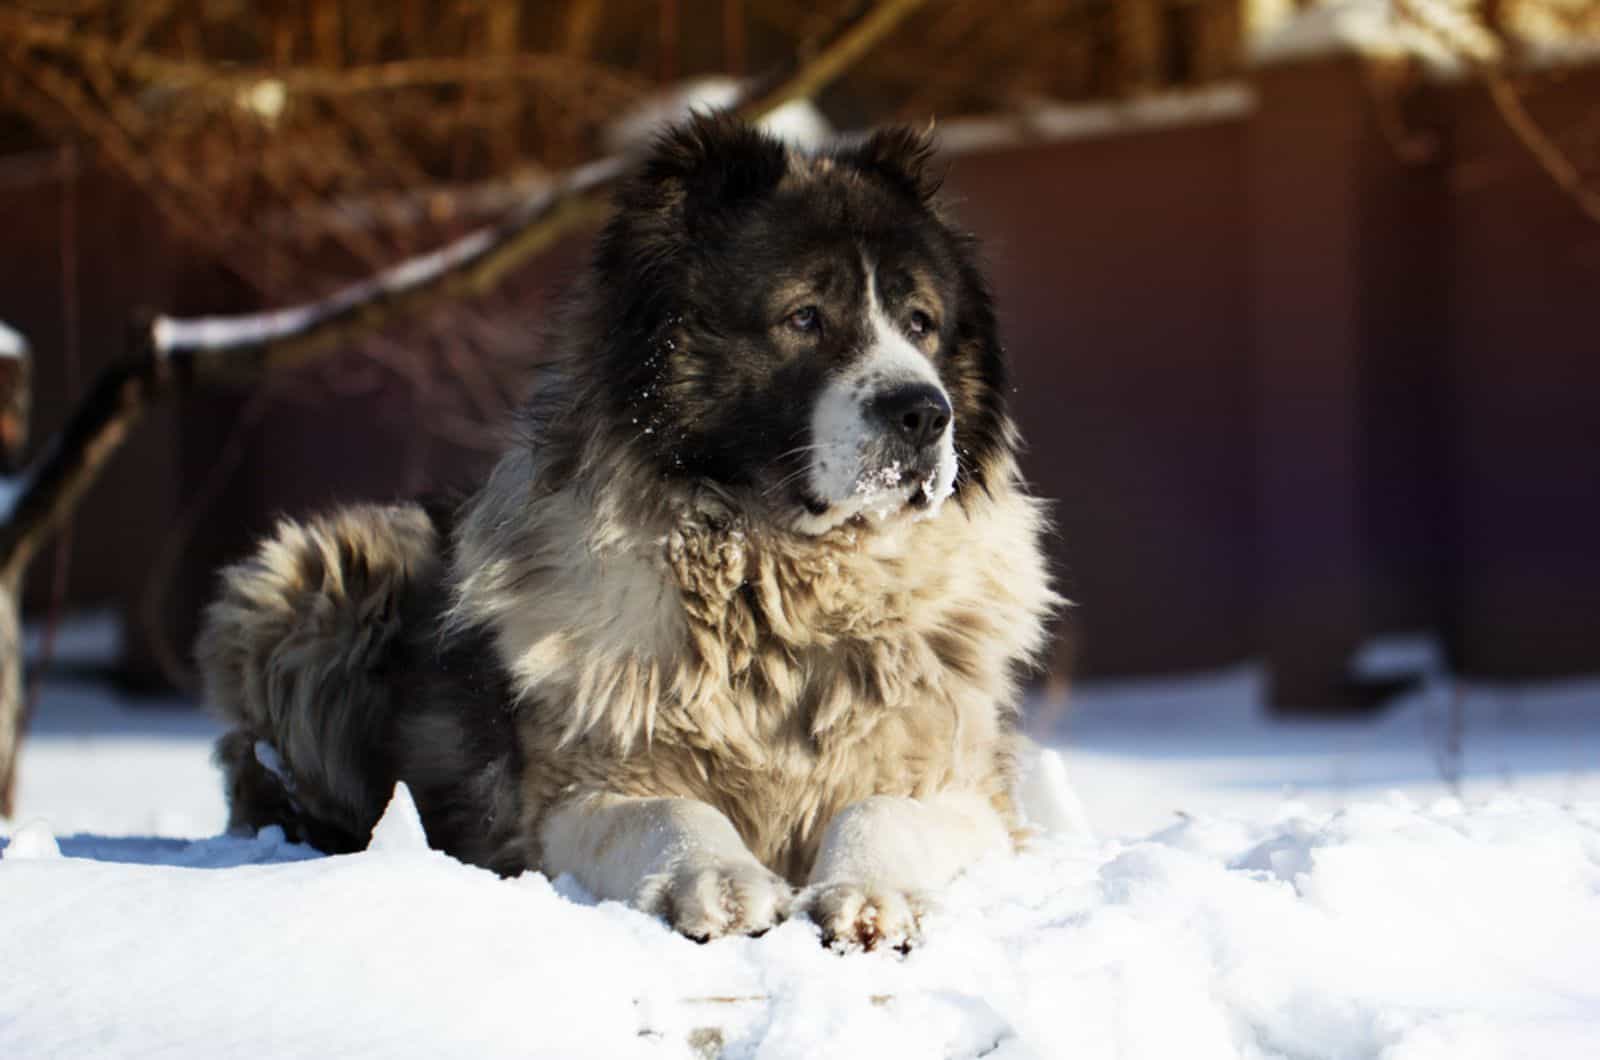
(295, 654)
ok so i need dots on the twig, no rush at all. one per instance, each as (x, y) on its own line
(1550, 158)
(1486, 58)
(1386, 83)
(61, 37)
(56, 481)
(471, 265)
(819, 64)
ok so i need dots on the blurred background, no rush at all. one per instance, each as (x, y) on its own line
(1303, 298)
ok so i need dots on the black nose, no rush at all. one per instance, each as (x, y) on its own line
(917, 412)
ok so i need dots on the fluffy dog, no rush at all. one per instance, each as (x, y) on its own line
(743, 613)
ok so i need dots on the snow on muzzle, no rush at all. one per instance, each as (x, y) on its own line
(882, 434)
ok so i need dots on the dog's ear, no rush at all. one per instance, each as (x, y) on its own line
(901, 156)
(712, 165)
(977, 378)
(695, 177)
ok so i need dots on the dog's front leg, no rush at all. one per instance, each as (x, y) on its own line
(675, 858)
(881, 857)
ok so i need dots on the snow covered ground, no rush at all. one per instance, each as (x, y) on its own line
(1250, 889)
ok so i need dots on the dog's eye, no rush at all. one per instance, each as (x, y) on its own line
(806, 318)
(921, 323)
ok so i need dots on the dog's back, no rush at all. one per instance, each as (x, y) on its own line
(324, 652)
(299, 653)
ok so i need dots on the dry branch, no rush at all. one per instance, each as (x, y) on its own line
(820, 62)
(1550, 158)
(1486, 50)
(59, 36)
(227, 116)
(171, 354)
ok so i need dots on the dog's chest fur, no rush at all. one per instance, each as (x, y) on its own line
(777, 678)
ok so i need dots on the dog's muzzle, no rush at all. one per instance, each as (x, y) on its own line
(883, 437)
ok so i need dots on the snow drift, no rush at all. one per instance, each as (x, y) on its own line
(1340, 922)
(1383, 930)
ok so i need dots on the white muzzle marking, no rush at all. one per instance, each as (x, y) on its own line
(852, 466)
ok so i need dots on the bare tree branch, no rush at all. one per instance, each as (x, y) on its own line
(59, 36)
(821, 62)
(1484, 49)
(1550, 158)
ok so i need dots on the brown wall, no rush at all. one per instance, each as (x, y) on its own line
(123, 266)
(1121, 273)
(1523, 432)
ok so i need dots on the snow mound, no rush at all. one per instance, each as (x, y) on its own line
(1385, 930)
(33, 840)
(1046, 799)
(399, 830)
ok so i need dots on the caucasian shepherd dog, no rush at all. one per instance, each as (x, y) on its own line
(735, 630)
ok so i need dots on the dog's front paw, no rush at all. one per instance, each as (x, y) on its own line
(709, 901)
(856, 916)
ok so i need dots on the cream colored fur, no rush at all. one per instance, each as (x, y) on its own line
(699, 679)
(711, 704)
(287, 651)
(714, 712)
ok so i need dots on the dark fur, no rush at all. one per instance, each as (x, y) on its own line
(437, 711)
(678, 313)
(672, 357)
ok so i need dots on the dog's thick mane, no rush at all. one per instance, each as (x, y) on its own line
(633, 608)
(631, 598)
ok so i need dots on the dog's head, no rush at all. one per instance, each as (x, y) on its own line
(807, 332)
